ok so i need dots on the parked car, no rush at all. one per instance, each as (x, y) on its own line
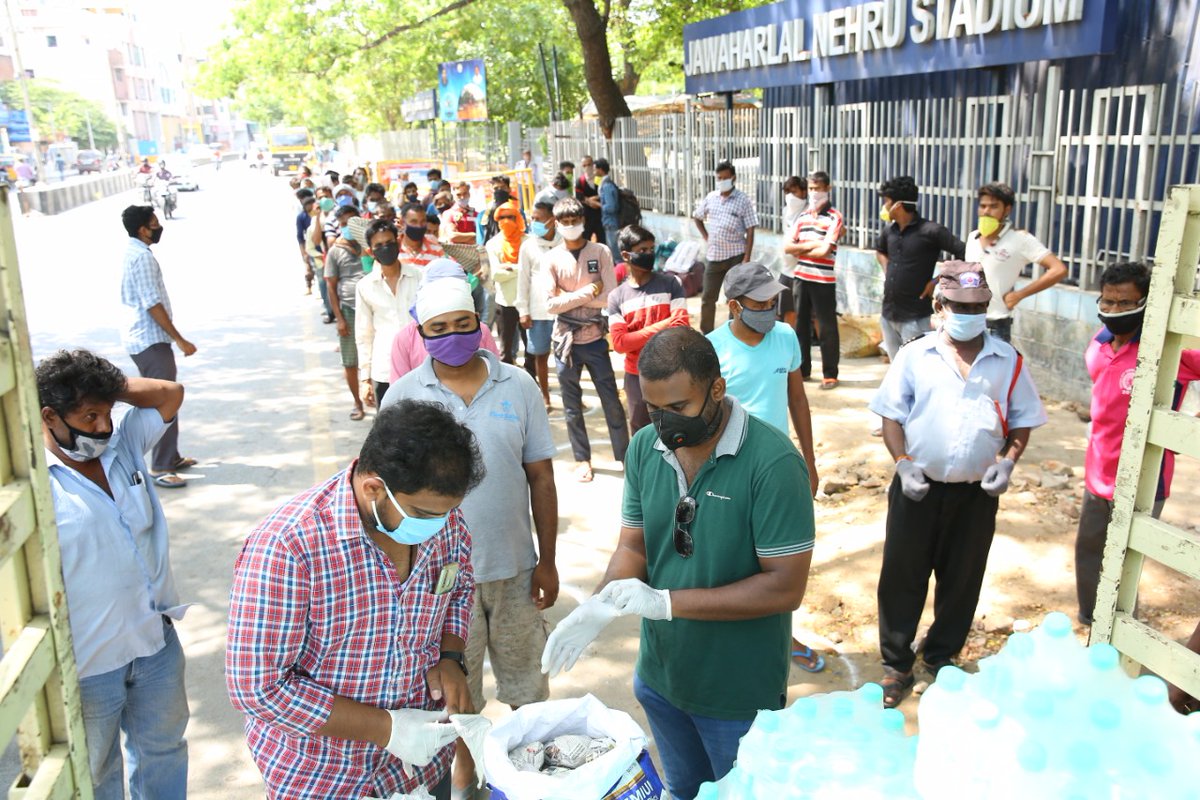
(89, 161)
(185, 183)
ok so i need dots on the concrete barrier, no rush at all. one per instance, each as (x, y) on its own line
(59, 197)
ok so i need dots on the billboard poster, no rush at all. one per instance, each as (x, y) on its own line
(18, 126)
(420, 107)
(462, 91)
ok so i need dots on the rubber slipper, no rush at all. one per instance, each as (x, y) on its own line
(184, 463)
(583, 472)
(357, 414)
(829, 383)
(169, 480)
(805, 654)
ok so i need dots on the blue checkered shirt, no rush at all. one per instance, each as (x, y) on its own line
(727, 219)
(142, 288)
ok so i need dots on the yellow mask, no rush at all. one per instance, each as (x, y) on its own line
(885, 214)
(988, 226)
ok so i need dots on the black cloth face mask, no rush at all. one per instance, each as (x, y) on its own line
(679, 430)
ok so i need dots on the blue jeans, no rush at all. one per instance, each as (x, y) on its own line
(610, 238)
(693, 749)
(146, 699)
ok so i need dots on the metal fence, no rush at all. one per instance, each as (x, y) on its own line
(1089, 167)
(478, 146)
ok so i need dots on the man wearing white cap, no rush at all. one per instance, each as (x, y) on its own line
(503, 407)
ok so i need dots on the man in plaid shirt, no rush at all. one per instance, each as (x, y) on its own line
(726, 219)
(348, 618)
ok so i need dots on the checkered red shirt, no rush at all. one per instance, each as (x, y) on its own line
(317, 610)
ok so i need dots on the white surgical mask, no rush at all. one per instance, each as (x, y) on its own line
(817, 200)
(571, 232)
(725, 185)
(794, 204)
(963, 327)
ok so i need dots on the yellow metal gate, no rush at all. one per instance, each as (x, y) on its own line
(1172, 322)
(39, 688)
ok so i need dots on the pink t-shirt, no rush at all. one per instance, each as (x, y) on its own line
(1112, 383)
(408, 349)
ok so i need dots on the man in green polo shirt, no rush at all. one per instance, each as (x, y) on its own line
(714, 553)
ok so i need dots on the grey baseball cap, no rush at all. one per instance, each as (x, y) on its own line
(751, 280)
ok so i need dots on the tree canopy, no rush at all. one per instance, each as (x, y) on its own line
(338, 66)
(58, 113)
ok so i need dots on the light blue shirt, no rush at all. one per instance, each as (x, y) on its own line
(758, 376)
(142, 288)
(115, 555)
(509, 421)
(953, 427)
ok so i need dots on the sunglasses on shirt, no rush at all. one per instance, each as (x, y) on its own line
(685, 512)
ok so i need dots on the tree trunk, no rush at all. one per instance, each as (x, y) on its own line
(629, 81)
(592, 29)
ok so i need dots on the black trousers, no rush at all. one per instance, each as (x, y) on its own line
(819, 299)
(947, 534)
(508, 323)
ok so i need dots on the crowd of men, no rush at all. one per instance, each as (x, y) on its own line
(362, 610)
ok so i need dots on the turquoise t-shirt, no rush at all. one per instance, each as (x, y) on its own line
(757, 376)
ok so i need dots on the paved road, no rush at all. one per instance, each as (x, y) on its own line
(266, 413)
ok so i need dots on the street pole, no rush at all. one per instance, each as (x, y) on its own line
(87, 115)
(24, 79)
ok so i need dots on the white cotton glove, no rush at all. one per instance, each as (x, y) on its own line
(574, 633)
(631, 596)
(418, 735)
(912, 480)
(995, 480)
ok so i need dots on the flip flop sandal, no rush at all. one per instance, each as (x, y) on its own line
(802, 655)
(169, 480)
(895, 686)
(184, 463)
(583, 473)
(357, 414)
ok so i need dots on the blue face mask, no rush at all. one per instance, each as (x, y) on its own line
(412, 530)
(347, 234)
(963, 327)
(538, 228)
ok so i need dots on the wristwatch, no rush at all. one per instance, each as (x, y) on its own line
(457, 657)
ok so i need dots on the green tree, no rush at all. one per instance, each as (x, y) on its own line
(61, 114)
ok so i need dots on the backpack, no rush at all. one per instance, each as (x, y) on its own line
(629, 211)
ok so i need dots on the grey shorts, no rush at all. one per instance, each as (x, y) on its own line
(347, 346)
(509, 627)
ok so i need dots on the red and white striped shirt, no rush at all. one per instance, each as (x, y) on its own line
(825, 225)
(431, 248)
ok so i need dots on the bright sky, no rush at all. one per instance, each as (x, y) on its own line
(198, 24)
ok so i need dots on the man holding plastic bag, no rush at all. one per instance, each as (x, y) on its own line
(348, 615)
(714, 556)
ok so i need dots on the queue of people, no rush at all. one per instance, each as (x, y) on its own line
(362, 610)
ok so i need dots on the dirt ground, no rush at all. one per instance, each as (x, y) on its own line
(1030, 569)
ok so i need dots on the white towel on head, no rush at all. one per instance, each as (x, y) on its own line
(438, 297)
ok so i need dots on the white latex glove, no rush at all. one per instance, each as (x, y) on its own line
(574, 633)
(995, 480)
(631, 596)
(418, 735)
(912, 480)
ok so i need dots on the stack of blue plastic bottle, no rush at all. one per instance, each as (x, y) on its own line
(840, 745)
(1046, 718)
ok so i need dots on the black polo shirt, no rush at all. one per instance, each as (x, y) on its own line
(912, 255)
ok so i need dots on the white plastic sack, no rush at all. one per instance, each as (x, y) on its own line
(542, 722)
(420, 794)
(684, 257)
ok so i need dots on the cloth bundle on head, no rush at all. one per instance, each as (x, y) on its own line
(439, 294)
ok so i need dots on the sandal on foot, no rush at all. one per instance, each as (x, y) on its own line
(895, 686)
(183, 463)
(169, 480)
(829, 383)
(806, 659)
(583, 472)
(357, 414)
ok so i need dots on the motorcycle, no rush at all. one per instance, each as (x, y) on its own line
(166, 198)
(148, 191)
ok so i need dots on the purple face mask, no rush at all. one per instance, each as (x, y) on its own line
(453, 349)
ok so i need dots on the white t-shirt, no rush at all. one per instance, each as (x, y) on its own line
(1003, 262)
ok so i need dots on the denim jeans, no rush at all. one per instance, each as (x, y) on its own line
(693, 749)
(146, 699)
(611, 238)
(594, 356)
